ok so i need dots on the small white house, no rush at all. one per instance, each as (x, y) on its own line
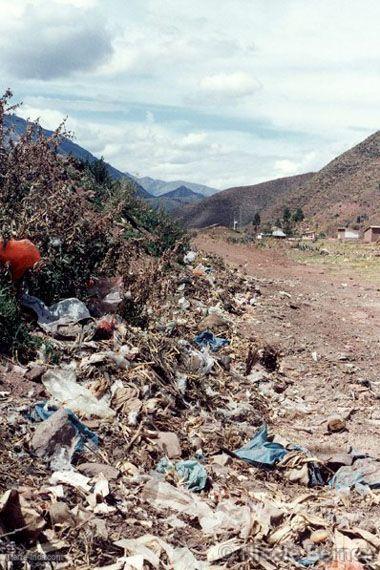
(347, 233)
(278, 234)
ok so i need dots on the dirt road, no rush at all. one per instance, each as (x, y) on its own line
(327, 328)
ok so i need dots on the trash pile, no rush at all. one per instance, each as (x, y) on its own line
(148, 446)
(136, 398)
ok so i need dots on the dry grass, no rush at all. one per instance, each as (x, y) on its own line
(362, 259)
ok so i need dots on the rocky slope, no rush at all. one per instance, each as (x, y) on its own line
(344, 190)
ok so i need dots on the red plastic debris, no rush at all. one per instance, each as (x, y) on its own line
(106, 327)
(21, 255)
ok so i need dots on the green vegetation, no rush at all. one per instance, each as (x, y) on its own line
(84, 223)
(256, 221)
(14, 334)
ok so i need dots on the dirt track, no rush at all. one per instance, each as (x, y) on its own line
(327, 328)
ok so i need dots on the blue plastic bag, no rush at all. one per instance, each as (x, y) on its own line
(208, 339)
(41, 412)
(260, 451)
(193, 474)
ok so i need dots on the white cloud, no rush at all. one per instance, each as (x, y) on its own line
(256, 90)
(49, 118)
(285, 167)
(226, 85)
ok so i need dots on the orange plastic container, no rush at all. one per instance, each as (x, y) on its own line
(21, 256)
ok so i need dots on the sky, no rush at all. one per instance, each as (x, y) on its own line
(220, 92)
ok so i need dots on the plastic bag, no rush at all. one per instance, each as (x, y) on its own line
(21, 256)
(208, 339)
(260, 450)
(62, 385)
(191, 472)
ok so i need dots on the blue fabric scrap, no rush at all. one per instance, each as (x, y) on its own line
(208, 339)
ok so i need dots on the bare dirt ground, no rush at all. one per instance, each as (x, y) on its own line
(327, 328)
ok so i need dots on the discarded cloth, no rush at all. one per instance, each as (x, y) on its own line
(300, 466)
(68, 311)
(191, 472)
(208, 339)
(21, 255)
(42, 411)
(260, 451)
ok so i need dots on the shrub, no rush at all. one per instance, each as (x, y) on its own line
(14, 334)
(84, 224)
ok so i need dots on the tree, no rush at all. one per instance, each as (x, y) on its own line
(298, 215)
(287, 215)
(256, 220)
(99, 170)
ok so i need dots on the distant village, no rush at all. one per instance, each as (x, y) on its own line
(371, 234)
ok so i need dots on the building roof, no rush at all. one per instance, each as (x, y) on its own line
(348, 230)
(278, 233)
(372, 228)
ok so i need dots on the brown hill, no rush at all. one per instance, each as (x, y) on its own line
(343, 192)
(240, 203)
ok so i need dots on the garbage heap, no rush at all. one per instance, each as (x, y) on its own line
(147, 445)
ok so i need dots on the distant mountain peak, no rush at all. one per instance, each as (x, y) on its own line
(158, 187)
(182, 192)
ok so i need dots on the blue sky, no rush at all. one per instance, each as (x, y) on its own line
(221, 92)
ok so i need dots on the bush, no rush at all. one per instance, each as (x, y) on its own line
(85, 224)
(14, 335)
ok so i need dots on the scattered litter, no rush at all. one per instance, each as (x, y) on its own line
(168, 412)
(72, 479)
(363, 473)
(62, 314)
(18, 517)
(191, 473)
(261, 451)
(63, 387)
(208, 339)
(190, 257)
(83, 434)
(21, 255)
(183, 304)
(106, 295)
(223, 549)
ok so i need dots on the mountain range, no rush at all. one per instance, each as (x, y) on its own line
(145, 187)
(240, 203)
(159, 187)
(345, 192)
(175, 199)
